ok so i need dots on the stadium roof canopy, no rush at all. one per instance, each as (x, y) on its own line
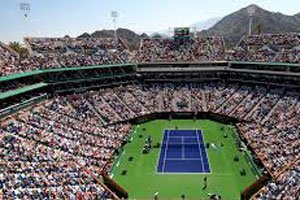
(69, 68)
(5, 95)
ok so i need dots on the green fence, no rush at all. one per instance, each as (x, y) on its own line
(122, 152)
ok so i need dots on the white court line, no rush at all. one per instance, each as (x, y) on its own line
(181, 143)
(182, 173)
(165, 155)
(161, 151)
(182, 136)
(206, 153)
(183, 159)
(182, 147)
(201, 157)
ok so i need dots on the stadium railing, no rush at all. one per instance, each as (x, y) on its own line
(291, 72)
(20, 106)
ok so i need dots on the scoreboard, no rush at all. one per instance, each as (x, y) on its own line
(182, 32)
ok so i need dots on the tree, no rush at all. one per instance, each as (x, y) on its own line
(259, 28)
(16, 46)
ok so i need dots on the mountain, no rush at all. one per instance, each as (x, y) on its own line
(201, 25)
(206, 24)
(144, 36)
(235, 25)
(84, 35)
(131, 38)
(158, 35)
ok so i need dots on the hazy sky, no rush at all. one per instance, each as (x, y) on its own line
(73, 17)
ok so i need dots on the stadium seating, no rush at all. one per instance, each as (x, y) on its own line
(48, 53)
(41, 147)
(287, 187)
(73, 125)
(268, 48)
(189, 50)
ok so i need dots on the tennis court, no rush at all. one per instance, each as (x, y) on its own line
(183, 151)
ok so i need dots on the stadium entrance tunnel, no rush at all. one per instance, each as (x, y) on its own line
(193, 154)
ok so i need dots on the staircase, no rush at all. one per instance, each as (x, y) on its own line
(225, 102)
(241, 103)
(126, 106)
(96, 112)
(28, 46)
(190, 100)
(113, 110)
(254, 108)
(204, 101)
(70, 105)
(267, 117)
(160, 101)
(145, 107)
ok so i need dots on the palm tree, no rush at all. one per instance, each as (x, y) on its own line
(259, 28)
(16, 46)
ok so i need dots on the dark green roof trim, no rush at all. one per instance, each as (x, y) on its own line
(5, 95)
(266, 63)
(69, 68)
(20, 75)
(93, 79)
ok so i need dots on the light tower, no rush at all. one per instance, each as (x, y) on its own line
(194, 30)
(251, 12)
(114, 16)
(170, 32)
(25, 9)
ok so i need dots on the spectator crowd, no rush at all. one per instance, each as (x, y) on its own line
(176, 50)
(267, 48)
(48, 53)
(40, 148)
(90, 126)
(287, 187)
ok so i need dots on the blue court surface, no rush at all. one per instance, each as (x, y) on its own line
(183, 151)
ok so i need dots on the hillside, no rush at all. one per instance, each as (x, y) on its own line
(206, 24)
(235, 25)
(128, 36)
